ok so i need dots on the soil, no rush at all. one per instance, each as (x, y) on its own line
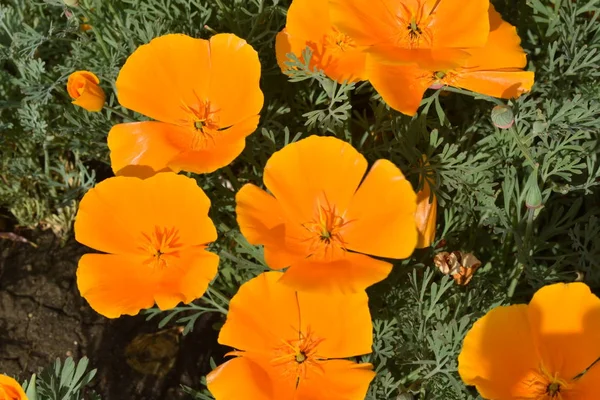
(42, 317)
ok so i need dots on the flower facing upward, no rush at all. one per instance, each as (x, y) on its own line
(493, 70)
(292, 345)
(322, 218)
(10, 389)
(308, 24)
(206, 95)
(542, 351)
(85, 92)
(431, 33)
(156, 231)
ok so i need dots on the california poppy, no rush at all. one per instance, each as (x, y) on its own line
(155, 232)
(10, 389)
(431, 33)
(494, 70)
(293, 345)
(544, 350)
(335, 53)
(321, 221)
(206, 95)
(84, 89)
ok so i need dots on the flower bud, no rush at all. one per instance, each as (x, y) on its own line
(85, 92)
(503, 117)
(533, 197)
(71, 3)
(426, 216)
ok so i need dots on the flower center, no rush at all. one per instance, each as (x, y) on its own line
(338, 41)
(543, 385)
(162, 244)
(325, 231)
(296, 356)
(204, 123)
(553, 389)
(414, 32)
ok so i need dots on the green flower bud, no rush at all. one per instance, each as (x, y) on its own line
(503, 117)
(533, 197)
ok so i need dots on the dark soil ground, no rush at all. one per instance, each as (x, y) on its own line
(42, 317)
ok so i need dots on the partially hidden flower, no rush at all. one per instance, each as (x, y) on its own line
(205, 98)
(544, 351)
(308, 24)
(84, 89)
(322, 220)
(155, 232)
(460, 265)
(10, 389)
(426, 215)
(434, 34)
(293, 345)
(494, 70)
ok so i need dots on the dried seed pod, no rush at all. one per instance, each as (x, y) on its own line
(460, 265)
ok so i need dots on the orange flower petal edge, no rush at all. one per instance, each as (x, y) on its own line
(205, 92)
(155, 232)
(10, 389)
(289, 345)
(494, 70)
(335, 53)
(536, 351)
(426, 216)
(433, 34)
(84, 89)
(320, 215)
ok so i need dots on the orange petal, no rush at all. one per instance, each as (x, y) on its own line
(368, 22)
(456, 26)
(353, 273)
(261, 221)
(312, 172)
(588, 386)
(336, 380)
(426, 216)
(503, 84)
(381, 214)
(401, 86)
(234, 82)
(261, 314)
(283, 46)
(350, 313)
(186, 277)
(115, 285)
(498, 354)
(220, 149)
(10, 389)
(121, 284)
(565, 320)
(115, 216)
(160, 77)
(142, 149)
(426, 58)
(83, 88)
(251, 381)
(308, 24)
(502, 49)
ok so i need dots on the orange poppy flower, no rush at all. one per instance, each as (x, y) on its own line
(335, 53)
(155, 232)
(494, 70)
(321, 221)
(84, 90)
(206, 95)
(426, 216)
(293, 345)
(10, 389)
(544, 350)
(432, 33)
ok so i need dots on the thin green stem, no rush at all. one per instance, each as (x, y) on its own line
(214, 292)
(522, 146)
(119, 113)
(96, 31)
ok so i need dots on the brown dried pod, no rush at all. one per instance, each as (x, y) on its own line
(460, 265)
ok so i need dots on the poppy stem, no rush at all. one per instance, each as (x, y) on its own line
(214, 292)
(522, 146)
(119, 113)
(97, 33)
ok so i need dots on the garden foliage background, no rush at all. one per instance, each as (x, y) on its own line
(52, 152)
